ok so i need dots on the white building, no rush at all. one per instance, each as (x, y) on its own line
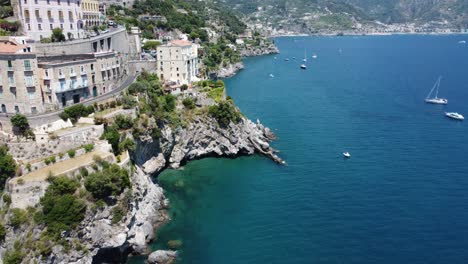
(39, 17)
(178, 62)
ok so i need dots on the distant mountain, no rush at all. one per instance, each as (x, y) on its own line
(313, 15)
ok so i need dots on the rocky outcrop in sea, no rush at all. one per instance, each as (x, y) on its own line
(228, 71)
(266, 49)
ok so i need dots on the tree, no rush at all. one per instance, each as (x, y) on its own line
(76, 111)
(189, 103)
(151, 45)
(110, 181)
(57, 35)
(20, 122)
(7, 165)
(224, 113)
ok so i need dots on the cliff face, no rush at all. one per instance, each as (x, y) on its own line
(204, 138)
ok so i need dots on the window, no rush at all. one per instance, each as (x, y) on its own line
(61, 26)
(25, 1)
(10, 64)
(1, 93)
(29, 80)
(92, 67)
(60, 14)
(4, 108)
(84, 81)
(70, 15)
(68, 2)
(71, 26)
(26, 14)
(11, 80)
(58, 2)
(177, 69)
(27, 65)
(51, 26)
(39, 26)
(49, 14)
(60, 73)
(17, 109)
(35, 1)
(33, 110)
(62, 85)
(31, 93)
(13, 92)
(29, 26)
(48, 2)
(72, 70)
(37, 13)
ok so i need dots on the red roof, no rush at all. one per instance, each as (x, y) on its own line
(8, 46)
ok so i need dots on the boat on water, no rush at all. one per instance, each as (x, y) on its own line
(272, 76)
(436, 99)
(287, 59)
(346, 155)
(303, 65)
(462, 42)
(314, 56)
(455, 116)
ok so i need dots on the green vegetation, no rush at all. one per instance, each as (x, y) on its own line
(71, 153)
(2, 232)
(88, 147)
(128, 101)
(225, 112)
(61, 209)
(110, 181)
(151, 45)
(57, 35)
(20, 124)
(76, 111)
(189, 103)
(18, 217)
(123, 122)
(111, 134)
(7, 166)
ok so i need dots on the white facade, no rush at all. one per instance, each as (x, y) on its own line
(39, 17)
(178, 62)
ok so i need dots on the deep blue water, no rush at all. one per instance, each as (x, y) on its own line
(401, 198)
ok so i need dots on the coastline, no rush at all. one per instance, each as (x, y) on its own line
(344, 34)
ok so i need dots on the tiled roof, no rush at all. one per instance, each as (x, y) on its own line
(181, 43)
(11, 47)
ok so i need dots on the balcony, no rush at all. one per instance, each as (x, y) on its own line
(72, 74)
(83, 72)
(27, 68)
(30, 84)
(47, 77)
(61, 76)
(10, 68)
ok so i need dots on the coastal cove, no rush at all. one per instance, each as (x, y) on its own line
(401, 198)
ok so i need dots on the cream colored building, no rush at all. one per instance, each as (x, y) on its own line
(72, 79)
(178, 62)
(19, 89)
(91, 14)
(39, 17)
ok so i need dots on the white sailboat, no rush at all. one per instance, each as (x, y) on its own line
(436, 100)
(303, 65)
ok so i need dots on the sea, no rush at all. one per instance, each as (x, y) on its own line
(402, 197)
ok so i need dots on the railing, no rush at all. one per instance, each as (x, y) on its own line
(72, 74)
(10, 68)
(83, 72)
(27, 68)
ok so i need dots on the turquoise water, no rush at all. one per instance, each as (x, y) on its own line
(401, 198)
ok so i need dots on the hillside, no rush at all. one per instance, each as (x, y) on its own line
(313, 16)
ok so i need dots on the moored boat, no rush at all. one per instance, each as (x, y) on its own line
(436, 99)
(455, 116)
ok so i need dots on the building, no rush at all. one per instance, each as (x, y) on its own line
(72, 79)
(40, 17)
(91, 13)
(19, 90)
(178, 62)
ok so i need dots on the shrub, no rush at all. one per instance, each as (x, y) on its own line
(61, 210)
(6, 198)
(14, 256)
(28, 167)
(18, 217)
(123, 122)
(7, 165)
(127, 144)
(76, 111)
(110, 181)
(88, 147)
(71, 153)
(20, 123)
(52, 159)
(137, 87)
(111, 134)
(2, 232)
(47, 161)
(224, 113)
(189, 103)
(128, 102)
(118, 214)
(20, 181)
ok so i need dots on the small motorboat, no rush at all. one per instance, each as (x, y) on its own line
(287, 59)
(272, 76)
(455, 116)
(346, 155)
(462, 42)
(303, 66)
(314, 56)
